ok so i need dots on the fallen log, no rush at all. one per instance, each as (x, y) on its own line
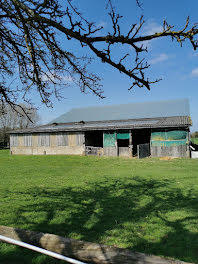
(83, 251)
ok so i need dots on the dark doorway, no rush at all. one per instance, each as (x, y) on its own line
(123, 142)
(140, 136)
(94, 138)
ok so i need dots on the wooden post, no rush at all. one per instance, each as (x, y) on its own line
(138, 151)
(116, 144)
(130, 143)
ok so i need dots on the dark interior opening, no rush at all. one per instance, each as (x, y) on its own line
(123, 142)
(94, 138)
(140, 136)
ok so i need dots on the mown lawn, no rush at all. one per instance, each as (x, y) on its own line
(147, 205)
(195, 140)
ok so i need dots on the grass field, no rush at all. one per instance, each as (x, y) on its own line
(147, 205)
(195, 140)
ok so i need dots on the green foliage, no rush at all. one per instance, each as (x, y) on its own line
(194, 135)
(147, 205)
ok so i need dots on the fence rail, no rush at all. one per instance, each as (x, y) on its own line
(39, 250)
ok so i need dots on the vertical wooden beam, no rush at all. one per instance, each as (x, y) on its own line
(84, 146)
(103, 138)
(116, 143)
(130, 143)
(150, 142)
(130, 137)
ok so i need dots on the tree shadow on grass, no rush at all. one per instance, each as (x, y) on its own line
(148, 216)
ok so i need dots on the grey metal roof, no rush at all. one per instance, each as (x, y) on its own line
(169, 108)
(161, 122)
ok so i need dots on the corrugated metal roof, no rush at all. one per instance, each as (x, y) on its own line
(169, 108)
(178, 121)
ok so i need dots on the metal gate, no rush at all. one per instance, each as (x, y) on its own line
(93, 151)
(143, 150)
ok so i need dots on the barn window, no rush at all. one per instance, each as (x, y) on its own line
(27, 140)
(44, 140)
(14, 140)
(80, 139)
(62, 139)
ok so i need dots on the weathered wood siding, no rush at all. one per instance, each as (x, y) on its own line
(110, 151)
(43, 140)
(170, 142)
(124, 152)
(173, 151)
(71, 143)
(14, 140)
(80, 139)
(62, 139)
(27, 140)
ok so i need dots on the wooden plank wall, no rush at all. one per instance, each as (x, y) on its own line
(173, 151)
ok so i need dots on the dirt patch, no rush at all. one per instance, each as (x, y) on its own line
(167, 158)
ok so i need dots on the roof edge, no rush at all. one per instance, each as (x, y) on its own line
(54, 127)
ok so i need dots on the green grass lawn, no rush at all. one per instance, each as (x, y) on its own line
(195, 140)
(147, 205)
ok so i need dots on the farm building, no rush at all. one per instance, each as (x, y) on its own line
(137, 129)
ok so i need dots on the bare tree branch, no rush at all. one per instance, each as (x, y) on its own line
(28, 41)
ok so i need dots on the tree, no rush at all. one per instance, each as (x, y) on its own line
(195, 134)
(14, 119)
(29, 40)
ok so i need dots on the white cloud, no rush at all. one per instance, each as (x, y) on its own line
(66, 78)
(151, 27)
(162, 57)
(195, 72)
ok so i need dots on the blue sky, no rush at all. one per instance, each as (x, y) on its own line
(178, 67)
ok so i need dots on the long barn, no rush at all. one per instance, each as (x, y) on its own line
(135, 130)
